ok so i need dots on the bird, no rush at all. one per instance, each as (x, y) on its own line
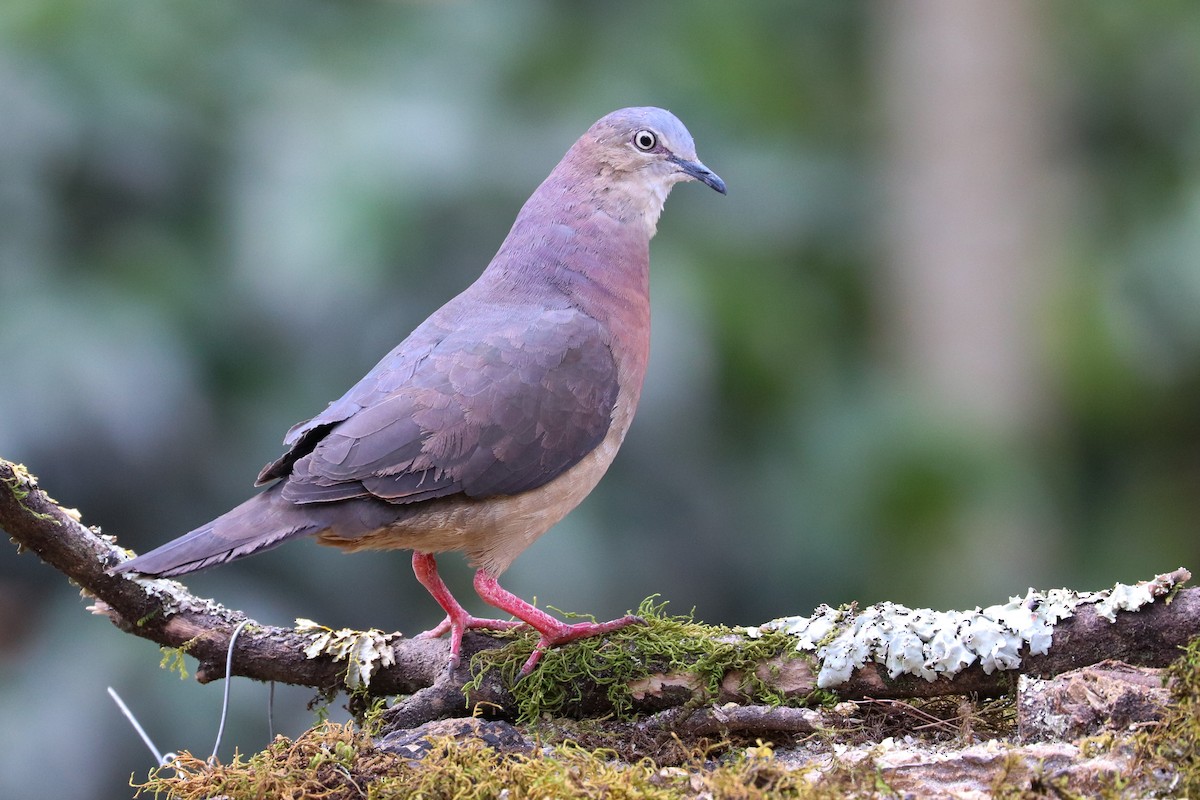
(500, 412)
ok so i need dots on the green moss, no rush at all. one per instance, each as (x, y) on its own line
(316, 765)
(21, 484)
(371, 716)
(339, 763)
(143, 620)
(665, 644)
(22, 481)
(1177, 740)
(172, 660)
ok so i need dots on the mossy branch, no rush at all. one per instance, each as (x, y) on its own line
(166, 613)
(671, 663)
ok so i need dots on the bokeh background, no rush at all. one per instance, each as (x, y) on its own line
(940, 343)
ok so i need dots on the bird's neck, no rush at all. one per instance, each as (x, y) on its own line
(589, 241)
(589, 244)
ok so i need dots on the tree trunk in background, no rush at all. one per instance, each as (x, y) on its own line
(967, 255)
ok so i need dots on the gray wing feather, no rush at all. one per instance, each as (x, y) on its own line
(482, 415)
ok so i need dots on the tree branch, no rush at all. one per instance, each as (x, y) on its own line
(166, 613)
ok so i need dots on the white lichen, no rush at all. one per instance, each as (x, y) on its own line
(1124, 598)
(170, 595)
(931, 643)
(363, 651)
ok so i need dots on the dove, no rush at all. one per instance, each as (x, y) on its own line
(500, 412)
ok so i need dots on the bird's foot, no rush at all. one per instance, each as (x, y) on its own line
(554, 631)
(561, 633)
(457, 621)
(460, 624)
(469, 623)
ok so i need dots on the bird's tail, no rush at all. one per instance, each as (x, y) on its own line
(262, 522)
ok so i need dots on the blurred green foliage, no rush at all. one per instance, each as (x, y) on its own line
(218, 215)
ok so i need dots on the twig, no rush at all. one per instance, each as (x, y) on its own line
(731, 718)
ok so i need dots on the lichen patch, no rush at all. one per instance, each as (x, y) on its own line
(933, 644)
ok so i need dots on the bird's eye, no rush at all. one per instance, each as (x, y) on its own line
(645, 140)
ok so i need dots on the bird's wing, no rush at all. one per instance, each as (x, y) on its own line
(497, 413)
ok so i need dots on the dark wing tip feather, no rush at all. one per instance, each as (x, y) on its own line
(282, 466)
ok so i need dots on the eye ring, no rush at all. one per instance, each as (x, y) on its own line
(645, 140)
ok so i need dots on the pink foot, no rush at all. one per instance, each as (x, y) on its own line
(469, 623)
(568, 633)
(462, 623)
(554, 632)
(457, 620)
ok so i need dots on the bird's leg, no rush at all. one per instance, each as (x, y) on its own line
(553, 631)
(457, 619)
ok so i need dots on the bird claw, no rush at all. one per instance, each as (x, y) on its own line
(568, 633)
(469, 624)
(436, 631)
(457, 627)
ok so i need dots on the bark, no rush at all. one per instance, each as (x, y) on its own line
(166, 613)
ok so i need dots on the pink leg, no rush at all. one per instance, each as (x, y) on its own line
(457, 619)
(553, 631)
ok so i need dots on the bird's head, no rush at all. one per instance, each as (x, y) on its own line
(627, 163)
(648, 144)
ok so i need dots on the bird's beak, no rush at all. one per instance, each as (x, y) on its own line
(700, 172)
